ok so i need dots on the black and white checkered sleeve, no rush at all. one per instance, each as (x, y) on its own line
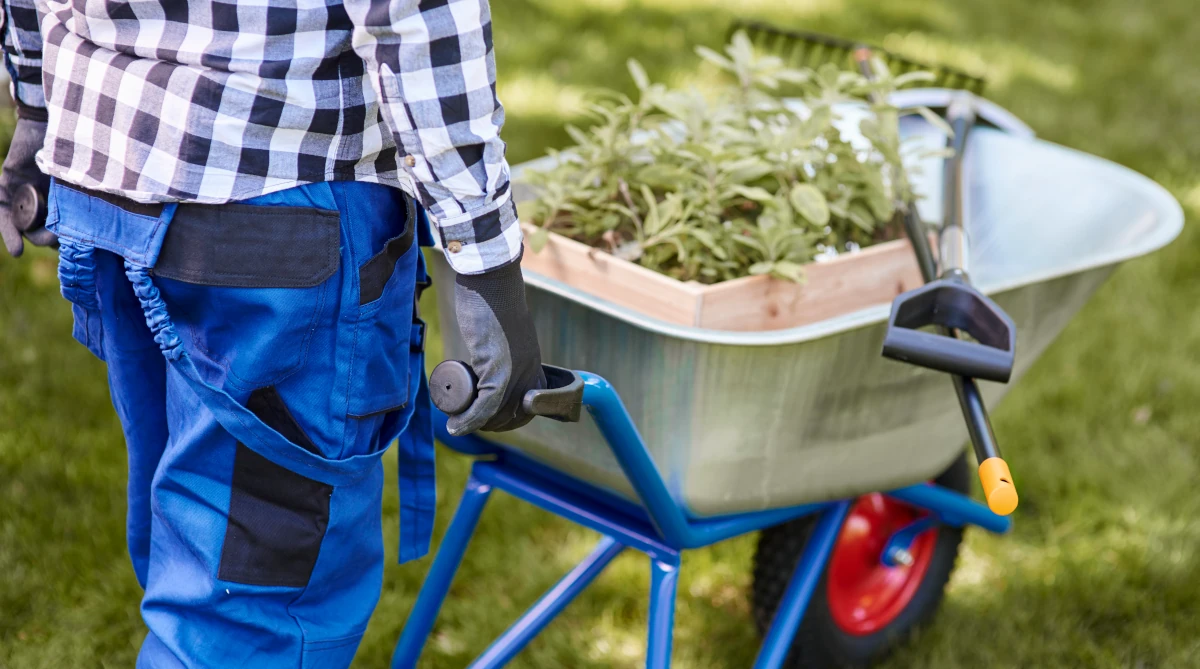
(23, 52)
(431, 64)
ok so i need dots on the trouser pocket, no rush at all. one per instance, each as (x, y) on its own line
(248, 296)
(379, 370)
(251, 285)
(77, 278)
(86, 223)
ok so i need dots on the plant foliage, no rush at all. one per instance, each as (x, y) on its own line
(752, 176)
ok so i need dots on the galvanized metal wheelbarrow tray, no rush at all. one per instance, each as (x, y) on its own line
(694, 436)
(742, 421)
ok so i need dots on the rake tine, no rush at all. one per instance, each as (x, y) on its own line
(805, 49)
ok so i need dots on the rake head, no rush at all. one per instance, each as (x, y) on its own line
(805, 49)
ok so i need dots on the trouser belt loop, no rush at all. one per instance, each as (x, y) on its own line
(418, 333)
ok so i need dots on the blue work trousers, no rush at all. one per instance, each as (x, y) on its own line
(262, 356)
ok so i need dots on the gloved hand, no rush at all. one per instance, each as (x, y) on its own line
(502, 349)
(23, 187)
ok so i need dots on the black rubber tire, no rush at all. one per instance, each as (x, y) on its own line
(819, 642)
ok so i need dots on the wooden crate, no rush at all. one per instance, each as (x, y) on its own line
(847, 283)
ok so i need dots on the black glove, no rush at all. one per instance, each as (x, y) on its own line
(502, 349)
(23, 187)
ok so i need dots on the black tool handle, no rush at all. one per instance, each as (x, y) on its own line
(953, 304)
(945, 351)
(453, 386)
(948, 354)
(979, 425)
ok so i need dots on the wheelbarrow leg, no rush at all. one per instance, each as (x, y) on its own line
(441, 573)
(664, 577)
(550, 605)
(800, 590)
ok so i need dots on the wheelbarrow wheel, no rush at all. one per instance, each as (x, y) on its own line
(862, 609)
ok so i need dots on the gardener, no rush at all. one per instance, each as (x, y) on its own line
(237, 189)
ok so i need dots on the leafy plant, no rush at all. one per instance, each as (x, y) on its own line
(752, 176)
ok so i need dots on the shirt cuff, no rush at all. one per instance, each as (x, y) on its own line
(27, 94)
(482, 239)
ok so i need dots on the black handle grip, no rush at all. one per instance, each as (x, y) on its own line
(453, 387)
(952, 305)
(947, 354)
(28, 208)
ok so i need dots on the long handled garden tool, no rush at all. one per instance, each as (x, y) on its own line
(951, 304)
(947, 301)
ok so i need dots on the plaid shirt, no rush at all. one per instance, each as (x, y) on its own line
(209, 101)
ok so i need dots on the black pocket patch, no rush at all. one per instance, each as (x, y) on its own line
(374, 275)
(277, 518)
(249, 246)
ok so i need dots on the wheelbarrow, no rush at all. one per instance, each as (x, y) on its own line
(693, 436)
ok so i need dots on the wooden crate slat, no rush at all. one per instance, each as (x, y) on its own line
(843, 285)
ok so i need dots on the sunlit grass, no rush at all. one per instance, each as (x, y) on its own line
(1102, 569)
(540, 95)
(795, 10)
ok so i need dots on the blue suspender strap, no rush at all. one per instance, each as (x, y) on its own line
(415, 452)
(418, 492)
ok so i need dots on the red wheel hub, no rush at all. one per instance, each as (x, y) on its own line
(864, 594)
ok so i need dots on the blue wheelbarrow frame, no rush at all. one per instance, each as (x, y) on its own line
(656, 525)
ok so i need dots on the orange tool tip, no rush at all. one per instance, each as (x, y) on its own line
(998, 487)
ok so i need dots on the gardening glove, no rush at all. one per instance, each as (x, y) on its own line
(23, 187)
(502, 349)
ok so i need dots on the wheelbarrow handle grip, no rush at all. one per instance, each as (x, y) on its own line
(453, 386)
(28, 208)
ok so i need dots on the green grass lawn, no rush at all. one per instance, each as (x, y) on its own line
(1103, 569)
